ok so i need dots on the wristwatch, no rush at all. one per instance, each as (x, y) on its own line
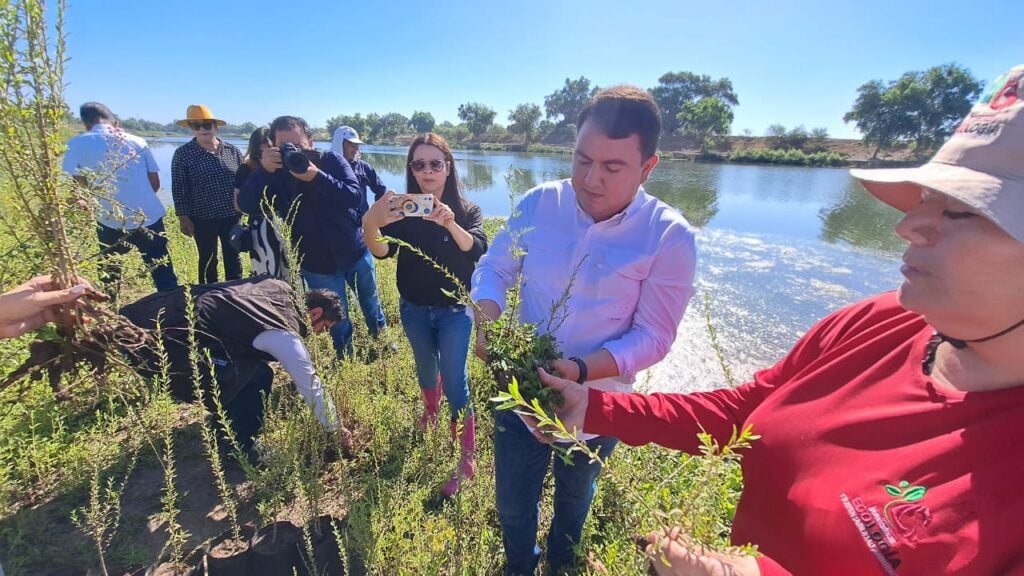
(583, 369)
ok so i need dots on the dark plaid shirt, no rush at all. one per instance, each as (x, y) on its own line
(203, 183)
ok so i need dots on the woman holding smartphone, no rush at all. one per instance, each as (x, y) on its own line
(450, 232)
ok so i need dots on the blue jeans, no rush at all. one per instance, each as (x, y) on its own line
(439, 336)
(362, 278)
(150, 241)
(520, 465)
(245, 409)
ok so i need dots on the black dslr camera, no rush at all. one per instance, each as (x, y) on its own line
(294, 158)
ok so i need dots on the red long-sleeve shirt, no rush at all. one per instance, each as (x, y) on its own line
(866, 465)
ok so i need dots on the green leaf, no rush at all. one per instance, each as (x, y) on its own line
(893, 490)
(915, 493)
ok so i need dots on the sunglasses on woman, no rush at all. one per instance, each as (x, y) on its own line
(201, 125)
(421, 165)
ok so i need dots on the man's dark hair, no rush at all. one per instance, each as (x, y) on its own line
(92, 113)
(621, 111)
(327, 301)
(289, 123)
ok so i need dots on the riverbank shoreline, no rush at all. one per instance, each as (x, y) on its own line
(752, 150)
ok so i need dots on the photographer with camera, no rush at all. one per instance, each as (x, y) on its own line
(319, 194)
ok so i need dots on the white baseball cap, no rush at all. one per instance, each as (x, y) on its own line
(347, 133)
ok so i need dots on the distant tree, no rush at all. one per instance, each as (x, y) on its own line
(544, 128)
(391, 124)
(523, 119)
(446, 130)
(140, 125)
(355, 122)
(920, 108)
(781, 139)
(675, 89)
(478, 117)
(422, 122)
(747, 133)
(565, 104)
(372, 123)
(705, 119)
(816, 142)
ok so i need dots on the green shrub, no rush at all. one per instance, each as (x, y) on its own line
(790, 157)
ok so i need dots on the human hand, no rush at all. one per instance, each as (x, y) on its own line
(308, 175)
(567, 369)
(441, 215)
(382, 213)
(270, 159)
(187, 227)
(671, 555)
(575, 398)
(33, 304)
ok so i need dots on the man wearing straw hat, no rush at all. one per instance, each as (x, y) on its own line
(203, 184)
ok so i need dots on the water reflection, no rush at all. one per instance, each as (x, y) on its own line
(695, 195)
(519, 180)
(393, 163)
(863, 221)
(476, 176)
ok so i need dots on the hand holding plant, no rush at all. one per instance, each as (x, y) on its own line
(672, 553)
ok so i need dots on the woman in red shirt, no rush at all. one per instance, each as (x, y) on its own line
(887, 432)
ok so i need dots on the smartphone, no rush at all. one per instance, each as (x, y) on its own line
(414, 205)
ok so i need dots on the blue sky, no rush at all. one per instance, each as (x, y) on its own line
(790, 61)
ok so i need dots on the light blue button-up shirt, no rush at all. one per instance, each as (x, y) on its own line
(634, 275)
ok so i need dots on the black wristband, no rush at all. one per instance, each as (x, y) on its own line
(583, 369)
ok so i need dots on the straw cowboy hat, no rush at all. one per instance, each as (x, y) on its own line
(982, 164)
(199, 113)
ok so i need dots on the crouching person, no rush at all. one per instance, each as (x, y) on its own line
(243, 324)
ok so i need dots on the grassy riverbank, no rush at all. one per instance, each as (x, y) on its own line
(56, 458)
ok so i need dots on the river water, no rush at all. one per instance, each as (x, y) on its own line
(778, 247)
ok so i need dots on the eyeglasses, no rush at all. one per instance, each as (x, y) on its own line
(201, 125)
(421, 165)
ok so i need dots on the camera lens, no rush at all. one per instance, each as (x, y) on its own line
(293, 158)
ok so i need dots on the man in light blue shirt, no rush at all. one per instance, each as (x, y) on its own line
(120, 173)
(634, 260)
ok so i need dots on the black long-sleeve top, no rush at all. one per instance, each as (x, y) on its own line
(418, 281)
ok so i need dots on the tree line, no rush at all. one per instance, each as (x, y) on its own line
(920, 109)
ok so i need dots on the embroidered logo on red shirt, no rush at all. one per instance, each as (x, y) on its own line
(900, 520)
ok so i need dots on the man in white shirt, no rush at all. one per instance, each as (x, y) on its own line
(634, 258)
(120, 172)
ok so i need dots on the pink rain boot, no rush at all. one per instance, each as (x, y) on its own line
(431, 404)
(467, 461)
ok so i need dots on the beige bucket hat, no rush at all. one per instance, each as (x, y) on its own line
(982, 164)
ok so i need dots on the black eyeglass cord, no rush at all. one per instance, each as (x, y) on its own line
(933, 345)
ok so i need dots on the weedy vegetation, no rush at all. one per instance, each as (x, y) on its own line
(101, 472)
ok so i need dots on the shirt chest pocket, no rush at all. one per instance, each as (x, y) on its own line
(613, 281)
(546, 265)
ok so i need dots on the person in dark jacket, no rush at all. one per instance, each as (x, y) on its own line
(321, 200)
